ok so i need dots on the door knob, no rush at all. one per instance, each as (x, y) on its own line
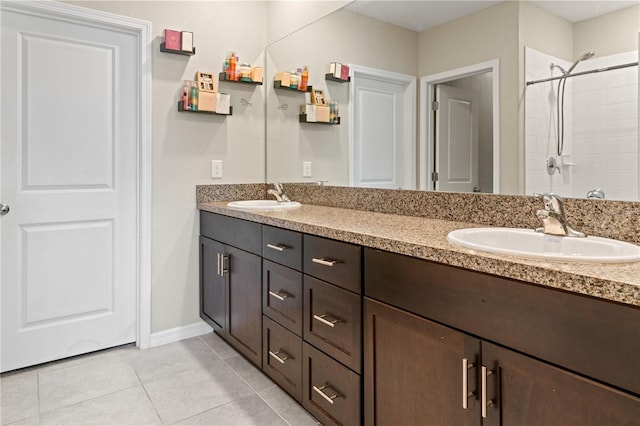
(4, 209)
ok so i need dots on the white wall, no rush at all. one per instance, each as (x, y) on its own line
(184, 144)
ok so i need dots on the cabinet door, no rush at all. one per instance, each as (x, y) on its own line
(413, 370)
(528, 391)
(212, 285)
(244, 303)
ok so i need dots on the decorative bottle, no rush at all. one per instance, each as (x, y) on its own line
(304, 80)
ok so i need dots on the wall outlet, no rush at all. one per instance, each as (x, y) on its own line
(306, 169)
(216, 168)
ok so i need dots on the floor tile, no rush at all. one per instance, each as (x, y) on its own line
(19, 397)
(219, 346)
(161, 361)
(287, 407)
(195, 391)
(31, 421)
(248, 411)
(126, 407)
(70, 385)
(249, 373)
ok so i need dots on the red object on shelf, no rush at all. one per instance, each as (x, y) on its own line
(171, 39)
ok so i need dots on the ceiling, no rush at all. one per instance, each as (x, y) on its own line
(420, 15)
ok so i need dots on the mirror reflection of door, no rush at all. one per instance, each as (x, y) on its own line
(383, 129)
(463, 134)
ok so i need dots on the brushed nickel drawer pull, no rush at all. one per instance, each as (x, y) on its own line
(281, 359)
(219, 265)
(324, 261)
(280, 295)
(278, 247)
(320, 391)
(485, 373)
(327, 319)
(466, 365)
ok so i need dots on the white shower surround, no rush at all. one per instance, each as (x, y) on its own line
(601, 128)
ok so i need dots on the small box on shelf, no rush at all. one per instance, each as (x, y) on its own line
(178, 42)
(338, 72)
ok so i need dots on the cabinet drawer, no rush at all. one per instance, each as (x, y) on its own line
(282, 246)
(238, 233)
(282, 295)
(333, 261)
(332, 321)
(282, 357)
(331, 392)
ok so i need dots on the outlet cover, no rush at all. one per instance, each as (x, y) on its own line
(216, 168)
(306, 169)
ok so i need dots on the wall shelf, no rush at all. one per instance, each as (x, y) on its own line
(330, 77)
(181, 109)
(176, 52)
(277, 84)
(303, 119)
(222, 77)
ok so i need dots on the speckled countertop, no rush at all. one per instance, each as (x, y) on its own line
(425, 238)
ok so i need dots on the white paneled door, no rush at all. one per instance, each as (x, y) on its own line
(457, 140)
(69, 176)
(383, 129)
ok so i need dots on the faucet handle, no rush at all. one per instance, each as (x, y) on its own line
(552, 202)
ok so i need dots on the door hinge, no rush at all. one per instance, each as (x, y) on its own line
(435, 105)
(434, 176)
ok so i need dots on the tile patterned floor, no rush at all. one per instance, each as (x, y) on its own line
(198, 381)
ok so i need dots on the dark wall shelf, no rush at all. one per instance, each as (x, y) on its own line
(181, 109)
(177, 52)
(277, 84)
(303, 119)
(330, 77)
(222, 77)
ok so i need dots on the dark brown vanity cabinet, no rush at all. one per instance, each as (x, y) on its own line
(230, 281)
(444, 345)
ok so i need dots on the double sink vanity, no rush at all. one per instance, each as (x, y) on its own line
(371, 316)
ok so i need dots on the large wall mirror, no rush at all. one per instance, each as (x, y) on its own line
(439, 100)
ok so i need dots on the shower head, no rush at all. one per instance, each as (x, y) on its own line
(584, 57)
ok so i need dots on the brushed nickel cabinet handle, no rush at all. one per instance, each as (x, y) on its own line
(219, 270)
(327, 319)
(278, 247)
(224, 259)
(485, 373)
(324, 261)
(320, 391)
(280, 358)
(280, 295)
(466, 365)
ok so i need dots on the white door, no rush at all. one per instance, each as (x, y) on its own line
(456, 140)
(383, 133)
(68, 173)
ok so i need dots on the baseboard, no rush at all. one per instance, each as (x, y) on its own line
(179, 333)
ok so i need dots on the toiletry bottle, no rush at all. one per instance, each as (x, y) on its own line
(304, 79)
(233, 60)
(186, 88)
(225, 68)
(194, 96)
(293, 82)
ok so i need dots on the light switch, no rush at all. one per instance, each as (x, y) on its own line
(216, 168)
(306, 169)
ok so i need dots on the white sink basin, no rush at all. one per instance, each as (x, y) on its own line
(528, 243)
(264, 205)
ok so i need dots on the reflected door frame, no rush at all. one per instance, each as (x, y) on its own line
(427, 122)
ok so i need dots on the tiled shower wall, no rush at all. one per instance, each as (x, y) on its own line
(601, 128)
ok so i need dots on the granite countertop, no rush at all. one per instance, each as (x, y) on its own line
(426, 239)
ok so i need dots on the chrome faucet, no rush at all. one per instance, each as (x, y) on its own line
(596, 193)
(554, 221)
(278, 192)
